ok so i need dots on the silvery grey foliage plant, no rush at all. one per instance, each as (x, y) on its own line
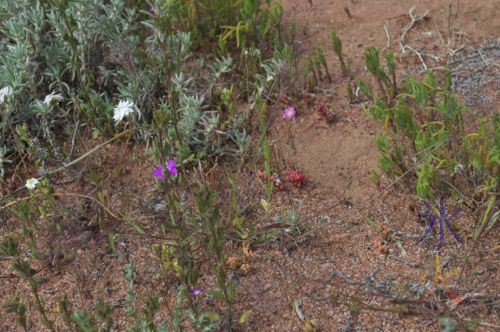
(95, 54)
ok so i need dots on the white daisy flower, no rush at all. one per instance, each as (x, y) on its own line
(124, 108)
(53, 97)
(4, 92)
(31, 183)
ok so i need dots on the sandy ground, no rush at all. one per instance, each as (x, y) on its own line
(332, 266)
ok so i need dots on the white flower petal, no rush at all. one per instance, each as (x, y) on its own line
(53, 97)
(31, 183)
(4, 92)
(123, 109)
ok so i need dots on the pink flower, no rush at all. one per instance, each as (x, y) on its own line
(160, 173)
(289, 113)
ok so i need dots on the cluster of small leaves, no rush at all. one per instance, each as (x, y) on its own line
(205, 322)
(95, 53)
(246, 23)
(62, 46)
(201, 226)
(424, 125)
(185, 128)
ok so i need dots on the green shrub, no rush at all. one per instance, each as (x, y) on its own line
(92, 54)
(424, 134)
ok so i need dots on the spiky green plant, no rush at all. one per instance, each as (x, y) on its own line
(337, 48)
(372, 60)
(424, 133)
(321, 60)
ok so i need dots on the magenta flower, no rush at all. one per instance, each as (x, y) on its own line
(160, 173)
(289, 113)
(171, 167)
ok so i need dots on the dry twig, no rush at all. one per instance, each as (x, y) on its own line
(417, 53)
(414, 19)
(409, 26)
(388, 35)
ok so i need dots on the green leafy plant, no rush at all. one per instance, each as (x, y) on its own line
(209, 216)
(264, 146)
(19, 308)
(9, 247)
(424, 132)
(321, 60)
(245, 23)
(100, 318)
(337, 48)
(372, 60)
(312, 74)
(92, 55)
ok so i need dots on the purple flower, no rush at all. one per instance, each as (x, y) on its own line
(289, 113)
(160, 173)
(171, 167)
(195, 292)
